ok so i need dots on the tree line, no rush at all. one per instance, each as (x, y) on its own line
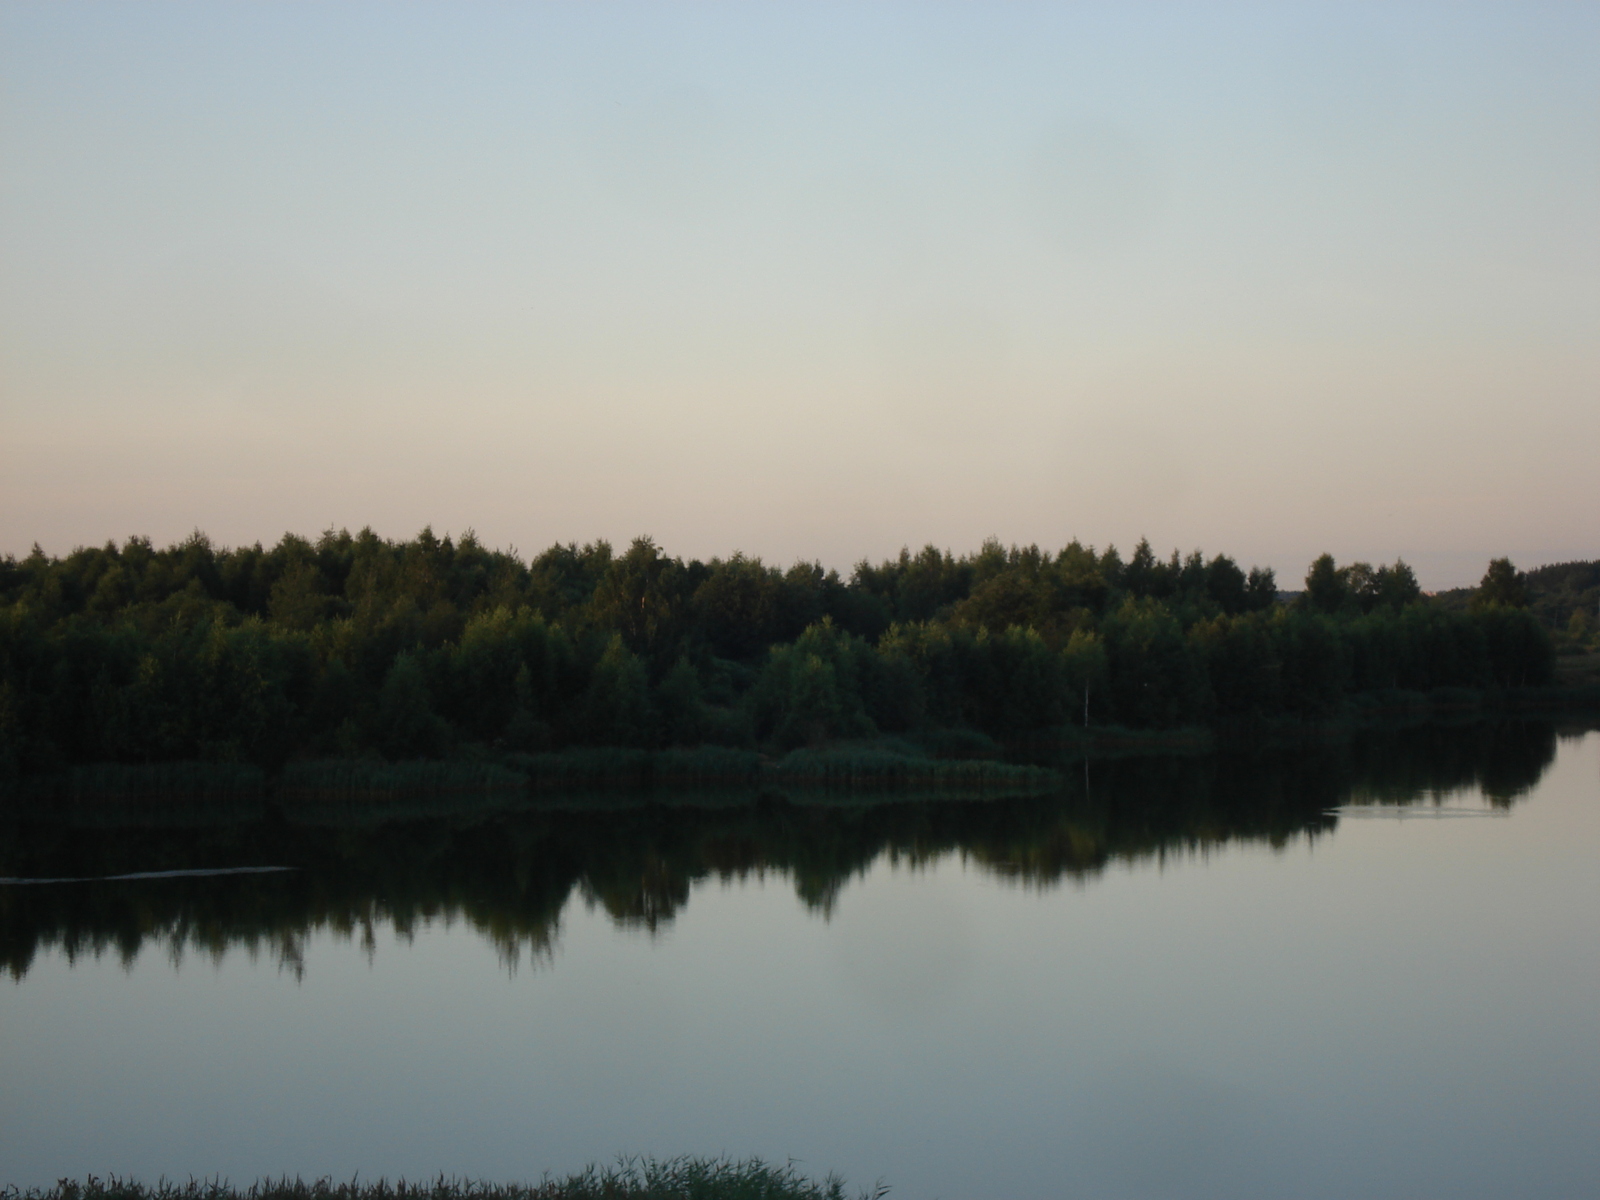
(1565, 597)
(355, 645)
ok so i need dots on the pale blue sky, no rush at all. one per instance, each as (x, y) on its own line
(810, 281)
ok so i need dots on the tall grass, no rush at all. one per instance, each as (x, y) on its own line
(618, 767)
(707, 765)
(168, 782)
(1073, 742)
(352, 784)
(957, 743)
(888, 765)
(362, 779)
(631, 1179)
(583, 766)
(876, 769)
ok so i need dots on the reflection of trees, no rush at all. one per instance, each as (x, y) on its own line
(510, 875)
(1503, 760)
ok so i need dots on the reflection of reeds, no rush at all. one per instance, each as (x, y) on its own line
(630, 1179)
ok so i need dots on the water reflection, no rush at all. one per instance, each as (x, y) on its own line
(509, 875)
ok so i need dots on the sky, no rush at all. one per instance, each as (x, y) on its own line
(809, 281)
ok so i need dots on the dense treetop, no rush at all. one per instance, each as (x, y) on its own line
(737, 606)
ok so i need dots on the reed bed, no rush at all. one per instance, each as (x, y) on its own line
(717, 765)
(144, 783)
(614, 767)
(874, 769)
(583, 767)
(1073, 742)
(320, 781)
(867, 768)
(354, 789)
(684, 1178)
(957, 743)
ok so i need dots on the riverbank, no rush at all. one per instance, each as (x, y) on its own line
(888, 766)
(929, 764)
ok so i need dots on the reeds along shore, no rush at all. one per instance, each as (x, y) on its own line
(889, 767)
(630, 1179)
(356, 648)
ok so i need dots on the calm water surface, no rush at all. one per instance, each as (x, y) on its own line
(1371, 971)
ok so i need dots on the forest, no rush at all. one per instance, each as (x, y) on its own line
(353, 646)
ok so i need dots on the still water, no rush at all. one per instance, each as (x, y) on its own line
(1364, 970)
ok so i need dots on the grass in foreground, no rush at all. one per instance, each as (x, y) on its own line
(684, 1178)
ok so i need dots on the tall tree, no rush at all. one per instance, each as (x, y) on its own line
(1501, 587)
(1327, 591)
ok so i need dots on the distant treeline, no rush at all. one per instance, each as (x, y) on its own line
(1564, 596)
(355, 645)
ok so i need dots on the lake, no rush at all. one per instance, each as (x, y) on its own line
(1365, 968)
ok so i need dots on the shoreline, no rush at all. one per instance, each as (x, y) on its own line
(933, 764)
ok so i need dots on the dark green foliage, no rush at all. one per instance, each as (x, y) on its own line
(680, 702)
(812, 691)
(1327, 590)
(1517, 647)
(1502, 587)
(1158, 677)
(740, 608)
(1243, 664)
(642, 598)
(709, 765)
(509, 668)
(365, 779)
(1389, 587)
(1564, 597)
(585, 767)
(146, 783)
(615, 710)
(1359, 587)
(630, 1179)
(880, 768)
(1260, 589)
(915, 589)
(357, 647)
(407, 726)
(874, 765)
